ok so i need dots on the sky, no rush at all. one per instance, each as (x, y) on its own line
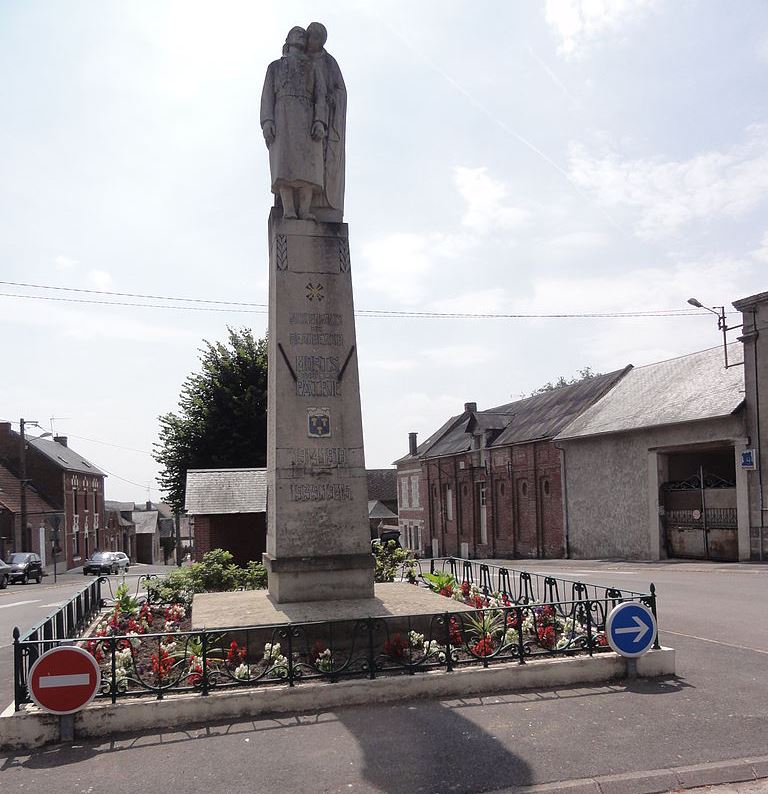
(535, 158)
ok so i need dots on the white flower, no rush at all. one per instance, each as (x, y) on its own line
(271, 651)
(243, 672)
(417, 640)
(430, 647)
(511, 637)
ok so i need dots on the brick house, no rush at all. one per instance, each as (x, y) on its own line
(227, 509)
(489, 483)
(68, 482)
(41, 517)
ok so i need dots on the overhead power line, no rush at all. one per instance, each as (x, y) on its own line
(178, 304)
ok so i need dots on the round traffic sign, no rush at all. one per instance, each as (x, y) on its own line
(630, 629)
(64, 680)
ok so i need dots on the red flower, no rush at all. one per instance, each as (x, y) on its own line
(547, 636)
(396, 647)
(601, 640)
(465, 589)
(195, 675)
(235, 654)
(162, 664)
(454, 633)
(447, 591)
(484, 647)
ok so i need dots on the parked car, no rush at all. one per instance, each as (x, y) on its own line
(386, 536)
(105, 562)
(5, 575)
(123, 557)
(25, 566)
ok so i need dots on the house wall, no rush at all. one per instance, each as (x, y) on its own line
(520, 487)
(243, 534)
(613, 482)
(755, 340)
(411, 511)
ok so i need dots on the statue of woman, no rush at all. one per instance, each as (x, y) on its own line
(294, 118)
(334, 142)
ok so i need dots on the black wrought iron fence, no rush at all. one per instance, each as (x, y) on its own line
(65, 623)
(524, 587)
(142, 651)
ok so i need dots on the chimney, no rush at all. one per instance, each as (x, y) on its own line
(470, 408)
(149, 505)
(5, 428)
(412, 443)
(61, 440)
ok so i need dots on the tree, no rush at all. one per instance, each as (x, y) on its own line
(583, 374)
(222, 416)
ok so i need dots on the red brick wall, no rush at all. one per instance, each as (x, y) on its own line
(243, 534)
(523, 501)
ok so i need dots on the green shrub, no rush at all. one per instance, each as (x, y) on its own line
(390, 559)
(215, 574)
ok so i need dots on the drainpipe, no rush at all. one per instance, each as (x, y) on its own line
(564, 491)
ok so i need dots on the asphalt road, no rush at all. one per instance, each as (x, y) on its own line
(716, 709)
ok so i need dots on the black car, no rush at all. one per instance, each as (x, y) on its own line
(25, 566)
(5, 575)
(105, 562)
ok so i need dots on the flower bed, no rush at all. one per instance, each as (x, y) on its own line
(144, 648)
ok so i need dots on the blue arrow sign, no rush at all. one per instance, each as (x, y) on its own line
(630, 629)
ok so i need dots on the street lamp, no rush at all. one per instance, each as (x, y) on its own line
(719, 312)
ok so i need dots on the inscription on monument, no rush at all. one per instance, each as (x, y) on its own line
(318, 333)
(328, 457)
(317, 376)
(325, 492)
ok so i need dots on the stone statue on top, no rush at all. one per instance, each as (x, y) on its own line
(303, 119)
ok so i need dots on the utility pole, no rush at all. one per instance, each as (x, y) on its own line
(26, 539)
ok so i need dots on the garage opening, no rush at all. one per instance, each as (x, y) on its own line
(699, 505)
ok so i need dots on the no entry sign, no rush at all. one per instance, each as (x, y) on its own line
(64, 680)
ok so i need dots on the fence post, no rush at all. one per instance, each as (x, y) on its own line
(289, 637)
(520, 646)
(205, 663)
(448, 646)
(371, 655)
(589, 627)
(113, 687)
(18, 683)
(656, 645)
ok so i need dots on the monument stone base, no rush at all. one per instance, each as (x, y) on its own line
(329, 578)
(254, 608)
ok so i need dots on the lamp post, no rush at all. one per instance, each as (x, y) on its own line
(722, 325)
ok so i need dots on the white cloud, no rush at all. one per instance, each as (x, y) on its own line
(668, 194)
(485, 201)
(64, 263)
(459, 355)
(761, 253)
(580, 22)
(390, 364)
(100, 279)
(483, 301)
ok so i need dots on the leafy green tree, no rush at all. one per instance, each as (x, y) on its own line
(222, 416)
(583, 374)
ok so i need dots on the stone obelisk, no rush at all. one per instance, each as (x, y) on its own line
(318, 538)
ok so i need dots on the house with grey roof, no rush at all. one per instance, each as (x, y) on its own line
(227, 509)
(653, 468)
(488, 482)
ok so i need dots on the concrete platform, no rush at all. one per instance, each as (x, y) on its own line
(258, 608)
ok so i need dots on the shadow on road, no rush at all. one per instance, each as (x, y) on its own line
(428, 746)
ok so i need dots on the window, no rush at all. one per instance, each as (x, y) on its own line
(545, 487)
(482, 512)
(448, 502)
(524, 488)
(415, 491)
(404, 493)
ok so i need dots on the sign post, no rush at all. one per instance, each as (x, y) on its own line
(630, 629)
(64, 680)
